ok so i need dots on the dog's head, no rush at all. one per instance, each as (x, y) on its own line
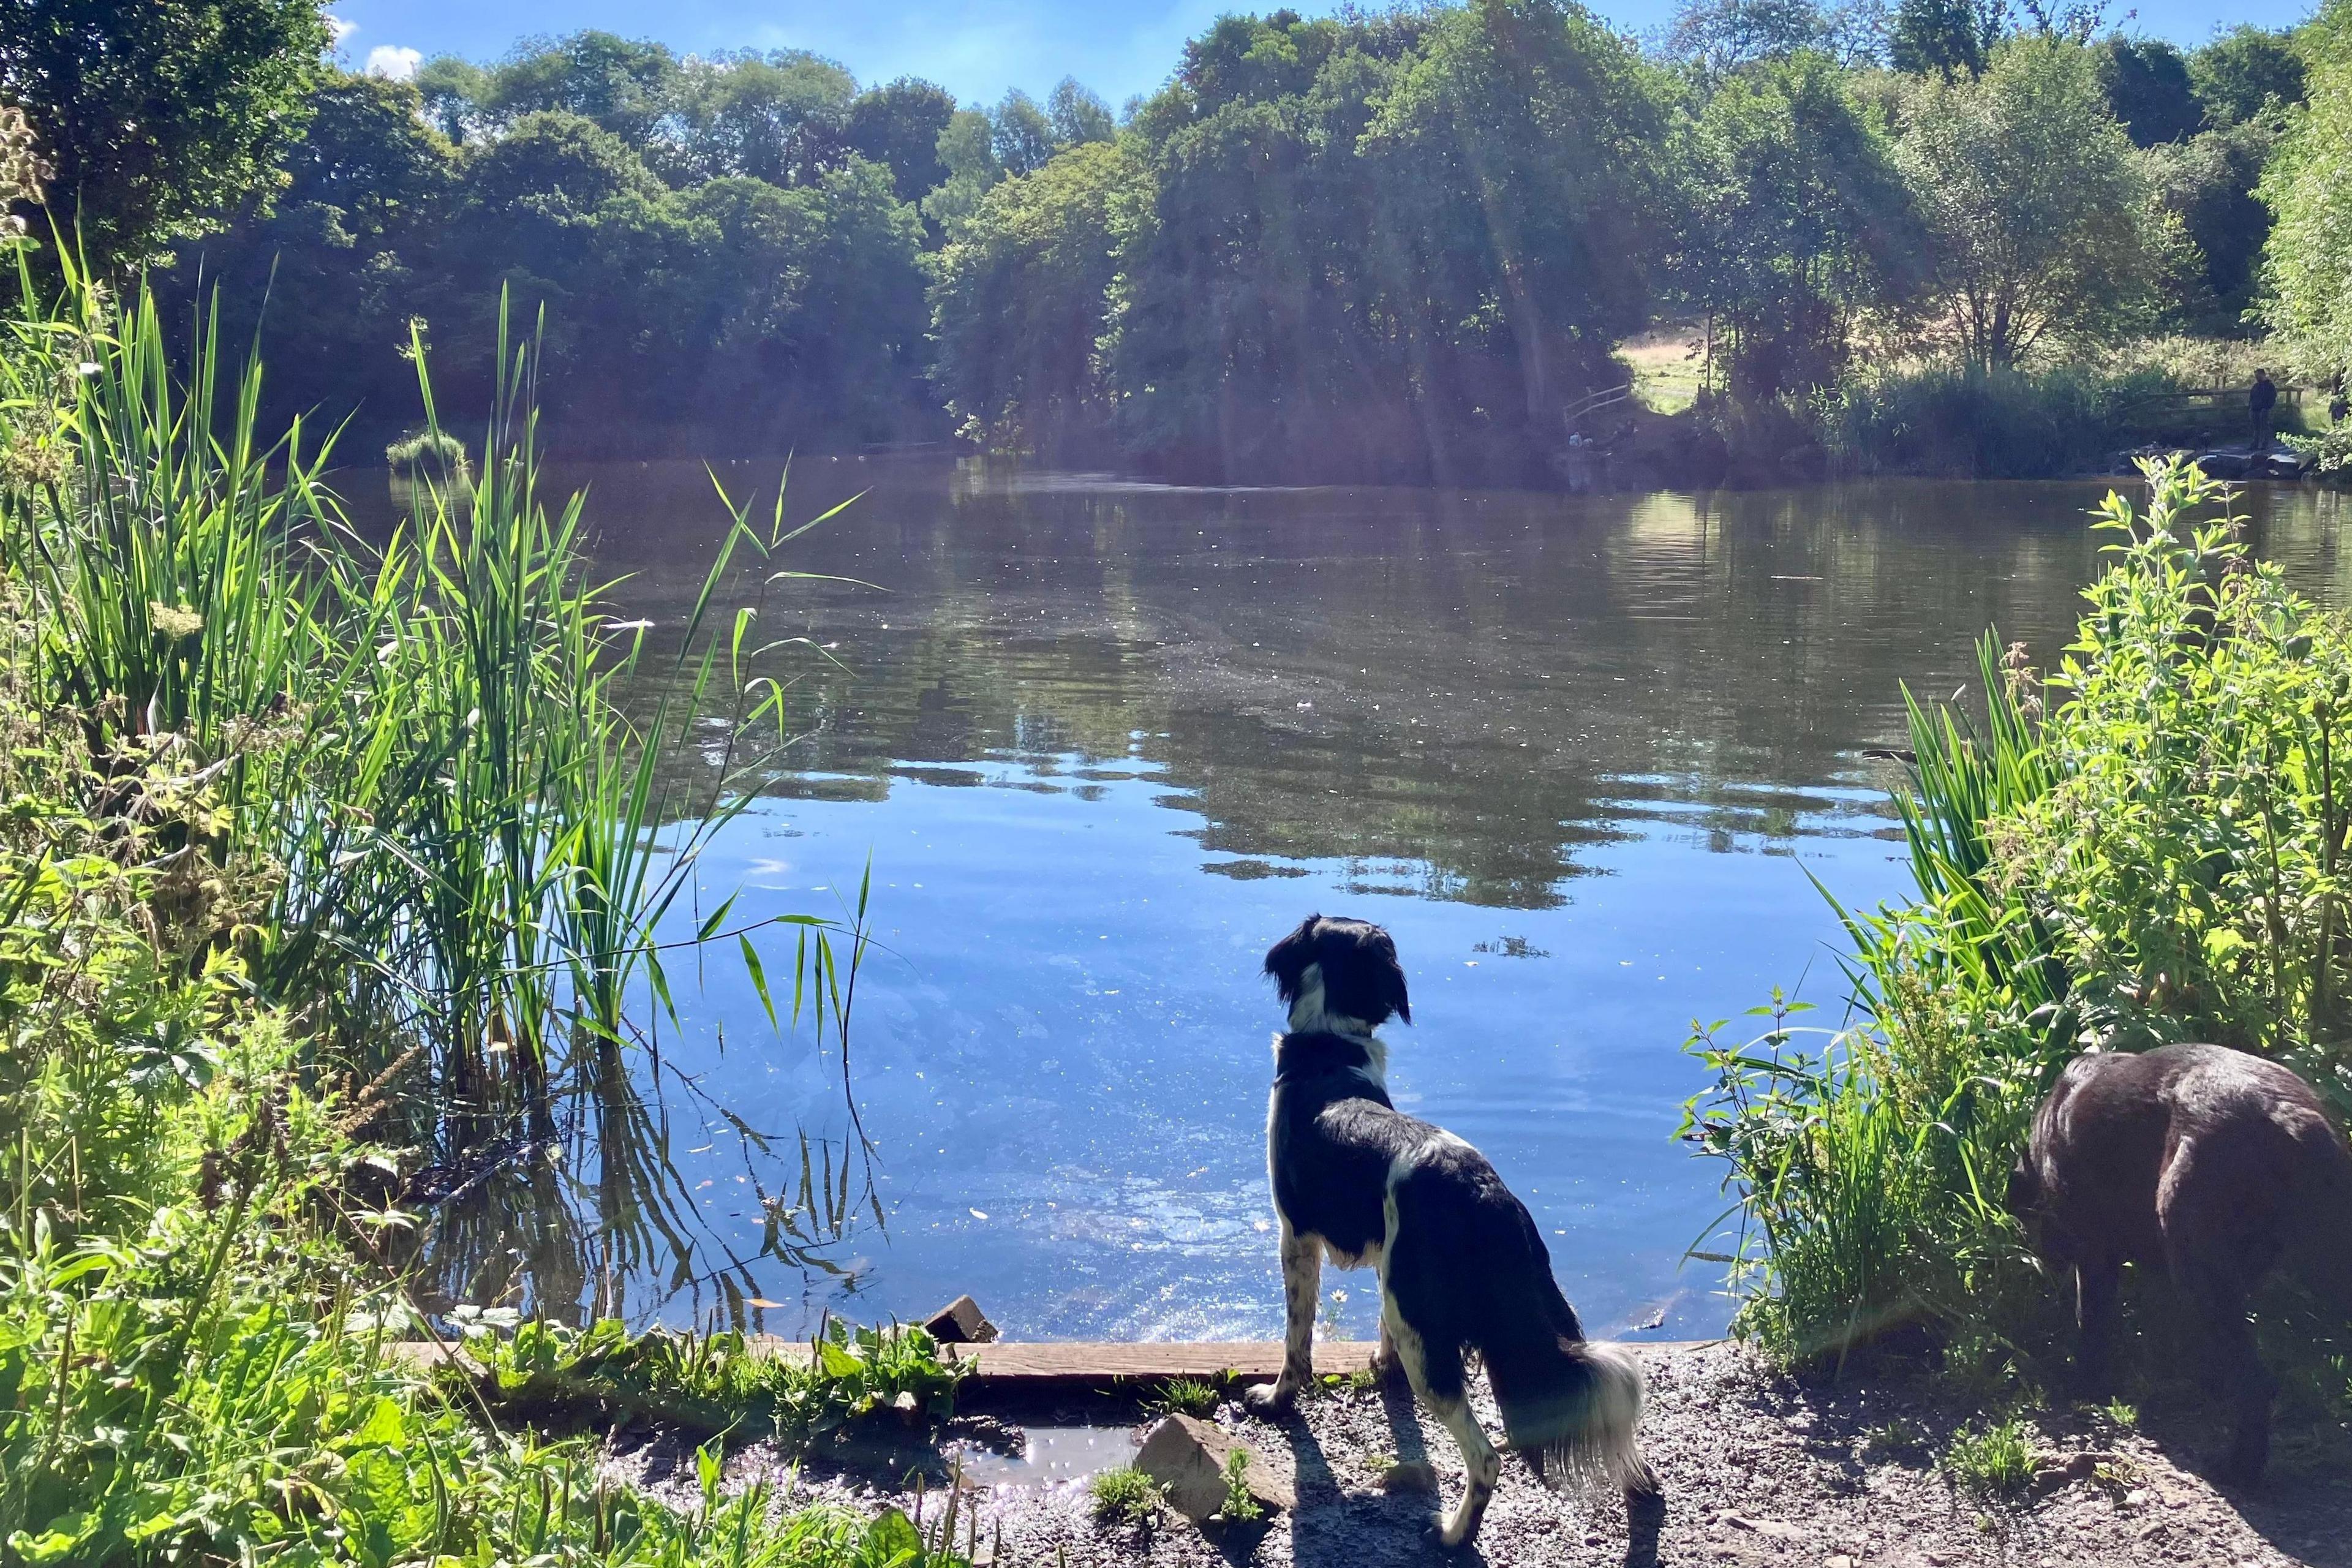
(1339, 975)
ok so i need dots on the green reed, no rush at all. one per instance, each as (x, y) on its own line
(475, 850)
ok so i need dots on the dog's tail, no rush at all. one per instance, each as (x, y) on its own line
(1570, 1406)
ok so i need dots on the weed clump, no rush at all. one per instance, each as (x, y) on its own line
(1996, 1460)
(1124, 1495)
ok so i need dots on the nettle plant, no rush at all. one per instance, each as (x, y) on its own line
(2189, 858)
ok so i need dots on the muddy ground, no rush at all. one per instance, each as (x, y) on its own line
(1758, 1469)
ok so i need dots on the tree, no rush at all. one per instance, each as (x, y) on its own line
(782, 117)
(1798, 220)
(1021, 303)
(1721, 36)
(1077, 115)
(2207, 183)
(2242, 72)
(159, 116)
(2040, 218)
(898, 126)
(967, 150)
(2147, 88)
(2307, 267)
(625, 85)
(1945, 38)
(1021, 135)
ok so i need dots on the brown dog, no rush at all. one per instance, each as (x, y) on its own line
(2217, 1164)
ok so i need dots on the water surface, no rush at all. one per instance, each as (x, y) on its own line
(1101, 742)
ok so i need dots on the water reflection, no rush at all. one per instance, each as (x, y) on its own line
(1101, 741)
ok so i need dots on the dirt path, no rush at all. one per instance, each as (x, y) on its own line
(1756, 1470)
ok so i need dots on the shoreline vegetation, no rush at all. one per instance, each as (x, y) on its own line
(1970, 241)
(333, 877)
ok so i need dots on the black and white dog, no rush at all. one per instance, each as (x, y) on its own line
(1462, 1266)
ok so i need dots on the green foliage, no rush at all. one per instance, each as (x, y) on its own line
(1987, 423)
(2308, 188)
(1124, 1496)
(1020, 302)
(1239, 1507)
(1798, 220)
(2147, 88)
(1996, 1460)
(161, 117)
(2038, 219)
(1185, 1396)
(712, 1383)
(2246, 73)
(2155, 859)
(217, 755)
(2188, 859)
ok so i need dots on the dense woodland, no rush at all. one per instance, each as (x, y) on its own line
(1399, 244)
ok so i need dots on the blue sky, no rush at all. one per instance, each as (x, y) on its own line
(976, 48)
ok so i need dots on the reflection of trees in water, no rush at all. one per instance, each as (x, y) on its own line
(572, 1207)
(1455, 695)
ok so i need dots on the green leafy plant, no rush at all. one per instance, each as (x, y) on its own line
(1184, 1397)
(1124, 1495)
(1239, 1507)
(1993, 1460)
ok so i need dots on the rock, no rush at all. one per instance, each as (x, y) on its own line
(1771, 1529)
(960, 1322)
(1409, 1476)
(906, 1407)
(1840, 1561)
(1187, 1456)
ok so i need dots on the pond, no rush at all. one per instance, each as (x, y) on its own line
(1101, 742)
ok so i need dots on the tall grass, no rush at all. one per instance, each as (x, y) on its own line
(474, 851)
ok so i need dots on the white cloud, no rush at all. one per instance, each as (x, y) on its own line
(392, 63)
(340, 29)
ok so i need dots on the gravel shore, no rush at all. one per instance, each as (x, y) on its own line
(1758, 1469)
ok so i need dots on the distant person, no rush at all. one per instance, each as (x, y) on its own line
(2262, 399)
(2338, 405)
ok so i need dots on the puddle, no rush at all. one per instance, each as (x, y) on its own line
(1053, 1453)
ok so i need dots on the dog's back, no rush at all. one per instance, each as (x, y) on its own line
(2190, 1153)
(2216, 1165)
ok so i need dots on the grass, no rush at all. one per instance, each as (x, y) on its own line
(434, 447)
(1124, 1495)
(315, 854)
(1184, 1397)
(1994, 1461)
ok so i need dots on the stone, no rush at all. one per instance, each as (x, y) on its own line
(960, 1322)
(1840, 1561)
(1409, 1476)
(906, 1407)
(1771, 1529)
(1187, 1456)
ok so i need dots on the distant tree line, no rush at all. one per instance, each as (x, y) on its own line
(1376, 245)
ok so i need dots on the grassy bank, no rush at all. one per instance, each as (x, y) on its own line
(2147, 847)
(322, 861)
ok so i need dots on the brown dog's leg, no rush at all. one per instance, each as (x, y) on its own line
(2094, 1319)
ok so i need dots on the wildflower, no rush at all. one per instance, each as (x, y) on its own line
(176, 622)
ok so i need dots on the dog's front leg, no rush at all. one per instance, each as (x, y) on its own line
(1302, 1277)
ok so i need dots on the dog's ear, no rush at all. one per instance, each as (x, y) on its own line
(1361, 977)
(1287, 960)
(1388, 978)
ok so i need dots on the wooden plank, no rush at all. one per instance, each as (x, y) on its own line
(1011, 1365)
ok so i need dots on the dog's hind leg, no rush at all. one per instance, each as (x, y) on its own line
(1437, 1380)
(1302, 1277)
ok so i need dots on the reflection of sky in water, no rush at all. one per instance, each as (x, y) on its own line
(1103, 744)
